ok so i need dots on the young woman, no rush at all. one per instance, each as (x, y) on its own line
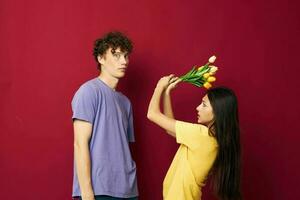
(211, 146)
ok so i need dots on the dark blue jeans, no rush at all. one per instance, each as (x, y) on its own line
(103, 197)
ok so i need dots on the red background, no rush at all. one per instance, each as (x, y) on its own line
(45, 54)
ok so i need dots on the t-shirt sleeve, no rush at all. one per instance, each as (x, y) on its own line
(84, 104)
(191, 135)
(130, 130)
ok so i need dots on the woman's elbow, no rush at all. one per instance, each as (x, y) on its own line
(153, 115)
(150, 115)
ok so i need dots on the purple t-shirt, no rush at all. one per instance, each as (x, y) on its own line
(113, 172)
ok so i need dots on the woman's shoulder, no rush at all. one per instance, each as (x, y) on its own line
(192, 127)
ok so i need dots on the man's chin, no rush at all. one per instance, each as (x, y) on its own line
(120, 75)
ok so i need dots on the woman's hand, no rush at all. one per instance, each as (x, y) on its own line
(168, 82)
(173, 84)
(164, 82)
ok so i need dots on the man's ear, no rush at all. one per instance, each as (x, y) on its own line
(100, 59)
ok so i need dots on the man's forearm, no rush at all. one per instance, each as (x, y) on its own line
(83, 169)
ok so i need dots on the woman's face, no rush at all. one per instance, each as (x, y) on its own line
(205, 112)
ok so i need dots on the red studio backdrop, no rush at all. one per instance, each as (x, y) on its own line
(46, 54)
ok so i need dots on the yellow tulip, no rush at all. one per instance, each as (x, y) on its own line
(211, 79)
(200, 68)
(213, 69)
(207, 85)
(206, 75)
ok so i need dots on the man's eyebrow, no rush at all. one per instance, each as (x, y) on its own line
(121, 52)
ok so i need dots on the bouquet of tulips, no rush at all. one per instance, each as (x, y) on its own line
(202, 76)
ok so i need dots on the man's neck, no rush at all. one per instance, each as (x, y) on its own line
(111, 82)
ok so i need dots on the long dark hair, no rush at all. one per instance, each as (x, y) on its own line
(225, 127)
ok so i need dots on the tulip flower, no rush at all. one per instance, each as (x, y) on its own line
(207, 85)
(206, 75)
(212, 59)
(211, 79)
(200, 68)
(213, 69)
(202, 76)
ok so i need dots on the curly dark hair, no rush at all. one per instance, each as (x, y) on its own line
(112, 40)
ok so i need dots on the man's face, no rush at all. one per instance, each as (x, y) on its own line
(114, 63)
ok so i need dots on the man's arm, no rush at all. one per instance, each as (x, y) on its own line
(82, 135)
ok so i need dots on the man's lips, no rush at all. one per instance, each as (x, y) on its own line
(122, 68)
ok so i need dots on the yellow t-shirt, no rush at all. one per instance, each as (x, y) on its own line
(191, 164)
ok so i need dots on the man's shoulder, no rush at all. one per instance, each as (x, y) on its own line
(90, 85)
(89, 88)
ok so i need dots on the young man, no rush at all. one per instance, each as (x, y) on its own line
(103, 127)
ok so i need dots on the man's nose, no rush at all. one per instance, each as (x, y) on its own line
(123, 60)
